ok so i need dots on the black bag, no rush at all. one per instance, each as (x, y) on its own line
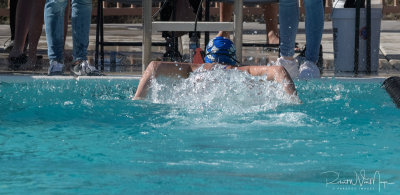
(353, 3)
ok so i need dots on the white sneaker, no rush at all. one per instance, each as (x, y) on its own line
(83, 68)
(55, 68)
(8, 46)
(290, 65)
(308, 70)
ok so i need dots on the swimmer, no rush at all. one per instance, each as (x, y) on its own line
(220, 54)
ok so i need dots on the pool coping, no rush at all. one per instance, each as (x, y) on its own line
(30, 78)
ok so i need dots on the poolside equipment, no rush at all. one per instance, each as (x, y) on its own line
(100, 42)
(354, 49)
(195, 52)
(392, 86)
(236, 27)
(150, 26)
(198, 56)
(274, 47)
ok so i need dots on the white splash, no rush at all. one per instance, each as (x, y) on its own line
(223, 90)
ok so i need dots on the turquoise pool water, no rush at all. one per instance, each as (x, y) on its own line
(88, 137)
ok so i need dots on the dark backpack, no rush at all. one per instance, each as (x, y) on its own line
(353, 3)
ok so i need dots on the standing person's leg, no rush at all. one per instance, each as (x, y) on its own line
(35, 31)
(67, 55)
(289, 21)
(23, 16)
(195, 4)
(66, 19)
(21, 26)
(314, 29)
(271, 22)
(54, 25)
(13, 11)
(81, 18)
(168, 13)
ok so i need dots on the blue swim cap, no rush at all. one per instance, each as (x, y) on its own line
(221, 50)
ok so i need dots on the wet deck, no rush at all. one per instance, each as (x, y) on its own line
(389, 62)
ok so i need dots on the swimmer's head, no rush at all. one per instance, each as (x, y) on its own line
(221, 50)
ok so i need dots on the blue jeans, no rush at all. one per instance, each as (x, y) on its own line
(289, 20)
(54, 20)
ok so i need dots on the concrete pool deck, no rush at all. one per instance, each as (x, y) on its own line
(389, 58)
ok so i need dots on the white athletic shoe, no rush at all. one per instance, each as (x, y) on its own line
(55, 68)
(290, 65)
(83, 68)
(9, 45)
(308, 70)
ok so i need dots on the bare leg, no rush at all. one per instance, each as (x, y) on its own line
(225, 15)
(13, 13)
(155, 69)
(35, 30)
(67, 55)
(24, 10)
(271, 21)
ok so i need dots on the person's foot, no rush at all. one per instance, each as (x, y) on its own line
(27, 66)
(301, 58)
(308, 70)
(55, 68)
(290, 65)
(33, 63)
(14, 63)
(83, 68)
(8, 46)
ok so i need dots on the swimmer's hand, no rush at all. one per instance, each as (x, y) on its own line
(295, 99)
(137, 98)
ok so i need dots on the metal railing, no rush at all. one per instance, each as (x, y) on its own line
(121, 9)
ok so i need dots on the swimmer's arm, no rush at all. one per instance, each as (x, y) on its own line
(155, 69)
(277, 73)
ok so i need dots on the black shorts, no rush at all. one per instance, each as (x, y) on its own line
(166, 14)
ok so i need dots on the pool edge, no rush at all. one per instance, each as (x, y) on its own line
(29, 78)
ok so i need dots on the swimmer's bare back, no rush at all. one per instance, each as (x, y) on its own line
(183, 70)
